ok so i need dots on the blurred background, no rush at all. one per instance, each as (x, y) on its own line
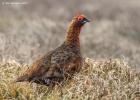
(30, 28)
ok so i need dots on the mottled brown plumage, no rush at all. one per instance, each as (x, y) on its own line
(60, 63)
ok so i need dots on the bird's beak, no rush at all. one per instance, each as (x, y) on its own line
(85, 21)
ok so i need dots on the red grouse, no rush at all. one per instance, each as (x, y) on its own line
(61, 62)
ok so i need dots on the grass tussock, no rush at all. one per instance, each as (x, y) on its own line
(109, 79)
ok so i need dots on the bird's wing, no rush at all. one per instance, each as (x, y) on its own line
(65, 55)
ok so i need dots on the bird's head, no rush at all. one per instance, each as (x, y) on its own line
(75, 28)
(80, 20)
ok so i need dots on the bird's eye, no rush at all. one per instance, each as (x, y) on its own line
(80, 18)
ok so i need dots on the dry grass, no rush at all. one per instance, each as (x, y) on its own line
(110, 79)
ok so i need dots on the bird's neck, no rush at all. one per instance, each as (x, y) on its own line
(72, 36)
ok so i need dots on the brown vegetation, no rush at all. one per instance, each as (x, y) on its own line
(99, 79)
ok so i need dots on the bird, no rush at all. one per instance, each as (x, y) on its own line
(60, 63)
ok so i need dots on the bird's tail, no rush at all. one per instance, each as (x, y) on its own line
(22, 78)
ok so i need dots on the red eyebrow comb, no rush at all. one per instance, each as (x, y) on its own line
(80, 17)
